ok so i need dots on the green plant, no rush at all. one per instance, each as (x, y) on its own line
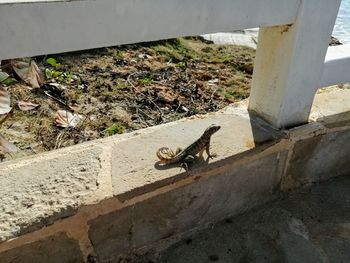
(181, 65)
(146, 80)
(53, 62)
(117, 128)
(6, 79)
(193, 111)
(56, 73)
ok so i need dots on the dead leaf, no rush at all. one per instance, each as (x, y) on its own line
(26, 105)
(6, 146)
(58, 86)
(67, 119)
(4, 101)
(28, 71)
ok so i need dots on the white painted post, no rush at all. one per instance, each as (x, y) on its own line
(289, 64)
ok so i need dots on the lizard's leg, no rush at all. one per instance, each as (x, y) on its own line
(186, 163)
(178, 150)
(207, 149)
(201, 153)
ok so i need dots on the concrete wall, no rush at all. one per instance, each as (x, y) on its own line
(110, 199)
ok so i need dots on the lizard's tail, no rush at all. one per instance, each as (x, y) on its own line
(165, 154)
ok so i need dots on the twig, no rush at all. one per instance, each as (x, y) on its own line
(141, 120)
(6, 117)
(212, 95)
(54, 98)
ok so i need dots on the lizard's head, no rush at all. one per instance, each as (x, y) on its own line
(212, 129)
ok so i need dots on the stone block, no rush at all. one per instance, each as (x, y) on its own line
(318, 158)
(54, 249)
(36, 191)
(206, 200)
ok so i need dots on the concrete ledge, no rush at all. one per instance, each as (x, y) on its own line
(110, 199)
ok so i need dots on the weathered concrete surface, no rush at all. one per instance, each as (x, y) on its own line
(318, 158)
(135, 165)
(309, 226)
(248, 37)
(54, 249)
(113, 198)
(331, 106)
(232, 190)
(39, 190)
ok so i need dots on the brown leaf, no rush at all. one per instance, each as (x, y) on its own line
(26, 105)
(4, 101)
(6, 146)
(67, 119)
(28, 71)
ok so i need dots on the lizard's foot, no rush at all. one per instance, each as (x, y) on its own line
(212, 155)
(185, 166)
(188, 162)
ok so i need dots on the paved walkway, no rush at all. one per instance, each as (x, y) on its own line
(311, 225)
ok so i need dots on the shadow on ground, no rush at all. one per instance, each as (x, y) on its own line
(310, 225)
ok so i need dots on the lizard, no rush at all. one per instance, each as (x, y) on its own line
(167, 156)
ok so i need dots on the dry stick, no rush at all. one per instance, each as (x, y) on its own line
(54, 98)
(6, 117)
(136, 107)
(137, 112)
(178, 107)
(60, 136)
(140, 118)
(160, 111)
(212, 94)
(58, 140)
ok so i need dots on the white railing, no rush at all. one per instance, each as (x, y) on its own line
(290, 63)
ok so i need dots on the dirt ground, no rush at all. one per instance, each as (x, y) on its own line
(125, 88)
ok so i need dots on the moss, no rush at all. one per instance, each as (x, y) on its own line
(175, 49)
(146, 80)
(116, 128)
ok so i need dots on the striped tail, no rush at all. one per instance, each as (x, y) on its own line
(165, 154)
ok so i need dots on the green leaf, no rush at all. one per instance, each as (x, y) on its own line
(6, 79)
(48, 73)
(9, 81)
(53, 62)
(56, 73)
(3, 76)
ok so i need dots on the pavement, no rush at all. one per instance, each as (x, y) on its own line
(310, 225)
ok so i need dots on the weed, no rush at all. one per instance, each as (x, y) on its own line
(117, 128)
(147, 80)
(181, 65)
(53, 62)
(175, 49)
(56, 73)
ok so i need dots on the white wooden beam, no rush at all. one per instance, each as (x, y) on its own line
(30, 28)
(337, 66)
